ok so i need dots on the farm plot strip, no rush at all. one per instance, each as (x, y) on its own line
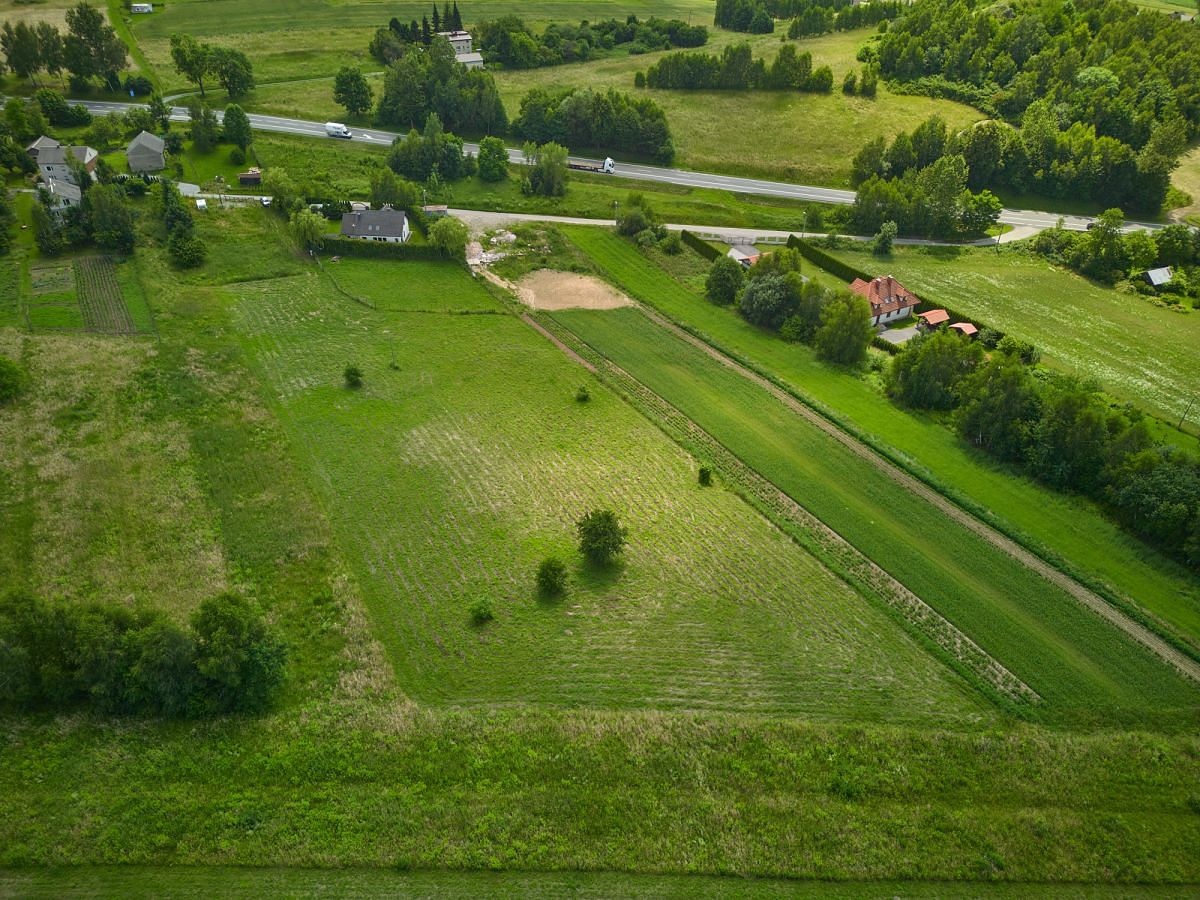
(1093, 601)
(1085, 669)
(100, 298)
(814, 534)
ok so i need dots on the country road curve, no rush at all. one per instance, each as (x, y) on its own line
(1023, 218)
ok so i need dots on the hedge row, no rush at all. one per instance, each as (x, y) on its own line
(830, 264)
(701, 246)
(380, 249)
(886, 346)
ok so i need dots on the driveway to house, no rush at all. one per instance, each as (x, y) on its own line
(899, 336)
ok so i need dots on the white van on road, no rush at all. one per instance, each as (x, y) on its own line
(337, 129)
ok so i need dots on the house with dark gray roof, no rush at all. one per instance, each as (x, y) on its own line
(63, 195)
(42, 143)
(145, 153)
(387, 225)
(52, 162)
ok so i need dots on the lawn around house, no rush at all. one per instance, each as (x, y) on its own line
(1072, 529)
(1136, 349)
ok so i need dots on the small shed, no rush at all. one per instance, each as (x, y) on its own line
(201, 204)
(435, 210)
(250, 177)
(965, 328)
(933, 319)
(1158, 277)
(141, 8)
(146, 153)
(746, 254)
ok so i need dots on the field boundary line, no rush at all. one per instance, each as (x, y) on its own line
(830, 548)
(1082, 594)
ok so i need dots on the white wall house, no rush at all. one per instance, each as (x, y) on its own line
(386, 225)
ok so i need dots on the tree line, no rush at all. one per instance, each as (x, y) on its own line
(1062, 431)
(772, 294)
(196, 60)
(921, 182)
(813, 17)
(114, 660)
(750, 16)
(585, 118)
(1107, 96)
(737, 69)
(513, 44)
(90, 51)
(388, 44)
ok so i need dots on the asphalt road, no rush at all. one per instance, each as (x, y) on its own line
(1016, 217)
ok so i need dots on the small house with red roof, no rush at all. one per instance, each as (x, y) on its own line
(932, 320)
(889, 299)
(965, 328)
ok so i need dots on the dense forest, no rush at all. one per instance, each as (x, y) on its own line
(1106, 96)
(736, 69)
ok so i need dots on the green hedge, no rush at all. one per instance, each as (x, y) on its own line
(701, 246)
(829, 263)
(381, 250)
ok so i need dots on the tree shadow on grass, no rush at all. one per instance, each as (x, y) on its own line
(600, 576)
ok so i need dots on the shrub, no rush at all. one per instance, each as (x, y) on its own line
(240, 660)
(639, 79)
(601, 536)
(705, 476)
(845, 331)
(582, 394)
(12, 380)
(552, 577)
(724, 280)
(187, 251)
(672, 244)
(237, 156)
(354, 377)
(481, 611)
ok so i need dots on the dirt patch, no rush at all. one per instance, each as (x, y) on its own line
(547, 289)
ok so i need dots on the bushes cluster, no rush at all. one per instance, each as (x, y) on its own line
(186, 249)
(1108, 255)
(1063, 432)
(419, 154)
(103, 218)
(736, 69)
(431, 80)
(115, 660)
(513, 44)
(583, 118)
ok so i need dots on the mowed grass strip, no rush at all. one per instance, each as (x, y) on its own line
(450, 476)
(1134, 348)
(1085, 670)
(1073, 529)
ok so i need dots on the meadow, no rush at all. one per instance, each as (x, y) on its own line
(468, 424)
(1136, 349)
(348, 771)
(1068, 528)
(1079, 665)
(300, 39)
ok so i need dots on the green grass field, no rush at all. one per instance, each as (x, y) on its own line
(477, 435)
(1060, 650)
(312, 38)
(1136, 349)
(348, 771)
(1072, 529)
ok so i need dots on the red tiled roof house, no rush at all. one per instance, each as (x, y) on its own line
(889, 299)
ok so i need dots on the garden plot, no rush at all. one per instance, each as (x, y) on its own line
(53, 305)
(100, 298)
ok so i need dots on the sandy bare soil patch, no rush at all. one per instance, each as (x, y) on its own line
(547, 289)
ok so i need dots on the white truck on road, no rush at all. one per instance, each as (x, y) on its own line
(607, 167)
(337, 129)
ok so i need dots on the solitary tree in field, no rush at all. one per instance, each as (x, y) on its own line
(233, 70)
(601, 536)
(551, 577)
(354, 377)
(350, 89)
